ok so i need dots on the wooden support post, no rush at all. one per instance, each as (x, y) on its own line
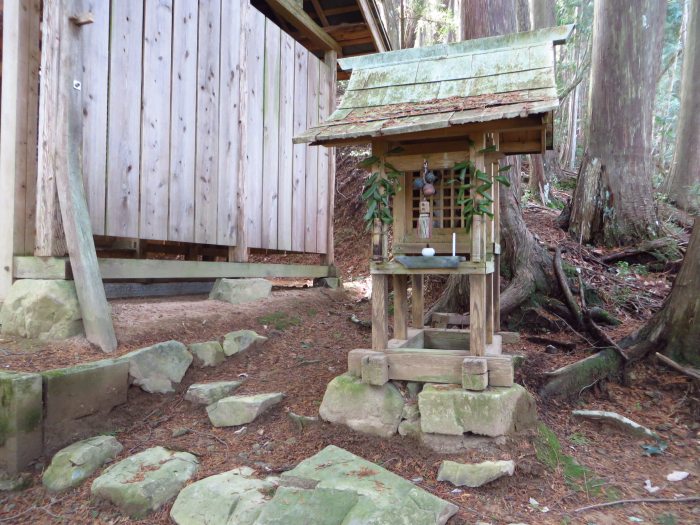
(18, 133)
(331, 59)
(71, 196)
(477, 314)
(417, 301)
(400, 306)
(380, 305)
(50, 240)
(239, 253)
(496, 246)
(379, 234)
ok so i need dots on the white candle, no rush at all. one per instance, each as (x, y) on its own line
(454, 244)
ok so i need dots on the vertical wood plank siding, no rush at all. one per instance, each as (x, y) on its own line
(161, 114)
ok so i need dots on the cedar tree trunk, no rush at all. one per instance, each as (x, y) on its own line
(613, 203)
(683, 183)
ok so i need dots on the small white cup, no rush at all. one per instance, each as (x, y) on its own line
(427, 251)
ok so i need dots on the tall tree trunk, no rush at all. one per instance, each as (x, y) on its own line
(527, 263)
(683, 183)
(613, 203)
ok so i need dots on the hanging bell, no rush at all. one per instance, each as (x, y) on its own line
(430, 177)
(418, 184)
(428, 190)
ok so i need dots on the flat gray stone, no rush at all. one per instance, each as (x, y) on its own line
(240, 410)
(142, 483)
(328, 282)
(474, 474)
(445, 444)
(155, 368)
(79, 391)
(15, 483)
(242, 340)
(77, 462)
(207, 354)
(21, 414)
(365, 408)
(236, 291)
(209, 393)
(448, 409)
(42, 308)
(232, 498)
(336, 487)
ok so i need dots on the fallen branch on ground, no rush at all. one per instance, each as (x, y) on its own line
(689, 371)
(638, 500)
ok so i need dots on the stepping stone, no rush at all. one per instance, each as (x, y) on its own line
(207, 354)
(366, 408)
(475, 474)
(142, 483)
(77, 462)
(155, 368)
(336, 487)
(234, 497)
(236, 291)
(241, 340)
(240, 410)
(208, 393)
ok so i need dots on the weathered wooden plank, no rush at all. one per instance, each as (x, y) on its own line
(323, 162)
(417, 301)
(95, 311)
(207, 142)
(310, 231)
(466, 267)
(271, 124)
(477, 313)
(49, 231)
(131, 269)
(429, 366)
(380, 304)
(255, 49)
(286, 155)
(13, 135)
(95, 59)
(229, 115)
(331, 60)
(400, 306)
(183, 122)
(300, 150)
(124, 138)
(155, 124)
(294, 13)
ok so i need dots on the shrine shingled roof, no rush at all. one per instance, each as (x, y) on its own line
(446, 85)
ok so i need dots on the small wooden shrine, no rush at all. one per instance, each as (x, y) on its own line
(440, 120)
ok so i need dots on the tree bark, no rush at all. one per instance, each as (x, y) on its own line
(527, 263)
(613, 201)
(683, 183)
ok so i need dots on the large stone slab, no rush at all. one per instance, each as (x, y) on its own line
(236, 291)
(242, 340)
(232, 498)
(79, 391)
(207, 354)
(77, 462)
(362, 407)
(448, 409)
(142, 483)
(209, 393)
(155, 368)
(21, 412)
(336, 487)
(474, 474)
(240, 410)
(41, 308)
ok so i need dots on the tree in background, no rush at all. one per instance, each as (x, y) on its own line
(683, 183)
(613, 203)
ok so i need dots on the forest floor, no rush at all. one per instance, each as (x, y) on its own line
(310, 333)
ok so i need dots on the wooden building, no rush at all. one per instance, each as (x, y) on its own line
(443, 117)
(134, 129)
